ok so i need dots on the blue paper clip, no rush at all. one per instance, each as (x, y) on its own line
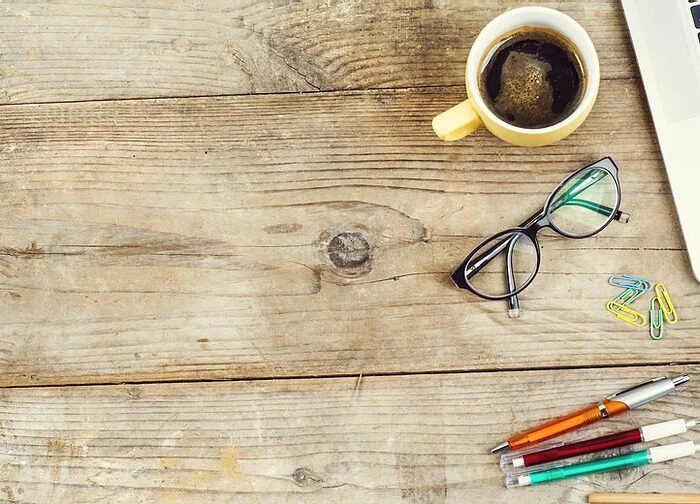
(630, 282)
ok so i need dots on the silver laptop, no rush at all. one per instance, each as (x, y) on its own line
(666, 39)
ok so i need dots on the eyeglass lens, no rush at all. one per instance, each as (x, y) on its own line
(585, 204)
(485, 270)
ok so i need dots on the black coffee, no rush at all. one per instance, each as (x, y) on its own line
(533, 78)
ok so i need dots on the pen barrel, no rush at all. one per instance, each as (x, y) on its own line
(567, 423)
(583, 447)
(556, 427)
(633, 459)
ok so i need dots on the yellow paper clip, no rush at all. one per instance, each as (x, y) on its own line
(656, 320)
(666, 304)
(626, 314)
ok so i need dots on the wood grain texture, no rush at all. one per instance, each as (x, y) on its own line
(643, 498)
(81, 50)
(309, 234)
(300, 233)
(418, 439)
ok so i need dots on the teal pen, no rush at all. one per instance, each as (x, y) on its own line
(638, 458)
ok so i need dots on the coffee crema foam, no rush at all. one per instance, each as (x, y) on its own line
(533, 79)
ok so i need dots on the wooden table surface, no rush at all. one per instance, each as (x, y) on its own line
(225, 240)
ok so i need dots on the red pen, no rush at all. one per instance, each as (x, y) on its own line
(643, 434)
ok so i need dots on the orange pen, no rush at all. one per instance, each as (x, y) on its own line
(615, 404)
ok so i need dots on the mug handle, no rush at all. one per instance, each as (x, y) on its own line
(457, 122)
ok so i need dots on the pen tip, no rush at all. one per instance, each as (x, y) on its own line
(500, 447)
(679, 380)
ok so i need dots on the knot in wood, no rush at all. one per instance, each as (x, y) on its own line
(306, 477)
(350, 252)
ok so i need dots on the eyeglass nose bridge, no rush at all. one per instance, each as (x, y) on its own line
(537, 222)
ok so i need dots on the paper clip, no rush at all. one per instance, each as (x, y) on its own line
(630, 282)
(626, 314)
(628, 296)
(656, 320)
(666, 304)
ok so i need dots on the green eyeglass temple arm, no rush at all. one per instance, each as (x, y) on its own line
(598, 208)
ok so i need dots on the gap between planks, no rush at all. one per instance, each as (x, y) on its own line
(348, 91)
(360, 376)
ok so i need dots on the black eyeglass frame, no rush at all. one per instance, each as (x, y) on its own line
(530, 227)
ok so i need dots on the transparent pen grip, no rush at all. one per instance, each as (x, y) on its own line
(508, 456)
(593, 467)
(516, 471)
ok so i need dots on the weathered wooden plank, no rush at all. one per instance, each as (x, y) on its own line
(82, 50)
(216, 237)
(414, 439)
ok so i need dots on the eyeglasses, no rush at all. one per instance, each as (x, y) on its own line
(581, 206)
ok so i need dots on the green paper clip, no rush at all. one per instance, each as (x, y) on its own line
(656, 320)
(628, 296)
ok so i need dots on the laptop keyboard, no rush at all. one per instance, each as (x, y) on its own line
(695, 11)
